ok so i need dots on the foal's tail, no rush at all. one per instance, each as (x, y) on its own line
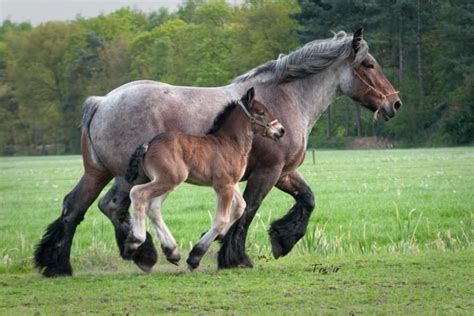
(135, 163)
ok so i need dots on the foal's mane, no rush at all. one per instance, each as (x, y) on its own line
(222, 116)
(312, 58)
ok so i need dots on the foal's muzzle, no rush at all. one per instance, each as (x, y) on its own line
(275, 130)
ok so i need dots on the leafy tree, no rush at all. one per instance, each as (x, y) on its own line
(36, 74)
(425, 47)
(264, 30)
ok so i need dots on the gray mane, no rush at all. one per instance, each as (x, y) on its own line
(312, 58)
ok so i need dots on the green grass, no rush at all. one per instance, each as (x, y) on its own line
(428, 283)
(398, 222)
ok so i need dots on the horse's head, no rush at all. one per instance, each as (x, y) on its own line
(365, 82)
(262, 120)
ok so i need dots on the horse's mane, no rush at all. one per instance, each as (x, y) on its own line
(222, 116)
(312, 58)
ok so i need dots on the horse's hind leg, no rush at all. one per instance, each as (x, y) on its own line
(53, 251)
(286, 231)
(168, 243)
(115, 206)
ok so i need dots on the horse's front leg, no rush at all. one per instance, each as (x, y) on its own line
(115, 206)
(232, 253)
(286, 231)
(220, 222)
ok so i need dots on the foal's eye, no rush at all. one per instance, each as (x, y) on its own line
(259, 112)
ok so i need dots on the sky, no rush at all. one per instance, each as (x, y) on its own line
(38, 11)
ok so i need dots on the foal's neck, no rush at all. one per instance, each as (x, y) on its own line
(237, 130)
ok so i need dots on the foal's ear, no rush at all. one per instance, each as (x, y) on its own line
(249, 96)
(357, 38)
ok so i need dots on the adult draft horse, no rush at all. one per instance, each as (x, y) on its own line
(297, 87)
(217, 159)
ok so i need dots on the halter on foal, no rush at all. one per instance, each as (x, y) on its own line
(217, 159)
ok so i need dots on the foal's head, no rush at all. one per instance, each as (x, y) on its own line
(262, 121)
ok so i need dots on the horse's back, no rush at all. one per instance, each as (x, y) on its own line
(133, 113)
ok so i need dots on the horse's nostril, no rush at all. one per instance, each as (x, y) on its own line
(397, 105)
(282, 131)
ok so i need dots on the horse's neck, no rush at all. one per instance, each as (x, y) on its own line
(314, 94)
(311, 95)
(236, 129)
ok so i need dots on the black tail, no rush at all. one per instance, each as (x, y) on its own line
(134, 165)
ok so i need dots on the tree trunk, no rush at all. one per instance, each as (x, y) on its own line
(358, 120)
(418, 52)
(400, 44)
(374, 128)
(348, 121)
(328, 123)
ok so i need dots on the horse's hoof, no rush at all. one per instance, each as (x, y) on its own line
(146, 256)
(229, 258)
(276, 249)
(145, 268)
(54, 272)
(280, 246)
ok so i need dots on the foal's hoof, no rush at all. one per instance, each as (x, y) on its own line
(172, 255)
(193, 263)
(195, 256)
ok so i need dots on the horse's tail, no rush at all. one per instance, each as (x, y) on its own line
(90, 106)
(135, 163)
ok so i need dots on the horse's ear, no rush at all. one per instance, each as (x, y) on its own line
(249, 96)
(357, 38)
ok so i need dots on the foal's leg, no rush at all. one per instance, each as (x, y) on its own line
(232, 253)
(141, 196)
(168, 243)
(219, 224)
(115, 206)
(286, 231)
(237, 209)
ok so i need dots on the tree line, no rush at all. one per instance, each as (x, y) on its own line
(425, 48)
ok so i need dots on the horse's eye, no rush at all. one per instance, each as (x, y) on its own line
(368, 65)
(259, 112)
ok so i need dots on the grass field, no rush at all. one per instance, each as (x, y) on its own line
(397, 224)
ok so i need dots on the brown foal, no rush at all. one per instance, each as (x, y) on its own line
(217, 159)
